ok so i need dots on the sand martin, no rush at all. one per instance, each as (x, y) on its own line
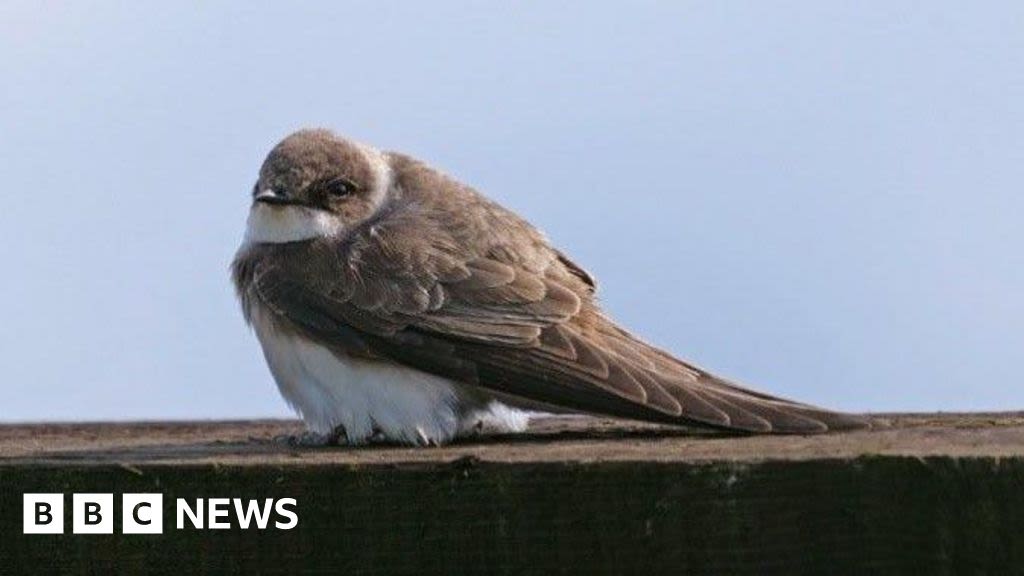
(393, 302)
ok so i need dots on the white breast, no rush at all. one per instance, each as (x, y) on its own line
(365, 397)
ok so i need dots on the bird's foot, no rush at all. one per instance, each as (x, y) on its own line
(379, 438)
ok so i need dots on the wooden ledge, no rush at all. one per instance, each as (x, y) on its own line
(550, 439)
(927, 494)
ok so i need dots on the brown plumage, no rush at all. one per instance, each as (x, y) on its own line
(429, 274)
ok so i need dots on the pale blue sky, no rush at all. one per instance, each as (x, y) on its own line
(823, 200)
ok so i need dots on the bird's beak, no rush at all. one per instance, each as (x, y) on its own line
(271, 196)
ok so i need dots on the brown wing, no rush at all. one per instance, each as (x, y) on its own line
(422, 294)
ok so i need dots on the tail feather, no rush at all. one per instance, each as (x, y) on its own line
(707, 399)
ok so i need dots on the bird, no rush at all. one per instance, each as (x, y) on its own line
(395, 304)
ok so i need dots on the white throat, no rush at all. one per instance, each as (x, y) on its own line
(279, 224)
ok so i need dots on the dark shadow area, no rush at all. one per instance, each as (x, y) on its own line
(880, 515)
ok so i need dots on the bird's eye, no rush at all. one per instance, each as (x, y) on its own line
(340, 187)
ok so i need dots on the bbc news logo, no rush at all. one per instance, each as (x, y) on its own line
(144, 513)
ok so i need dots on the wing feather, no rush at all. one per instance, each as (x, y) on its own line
(510, 314)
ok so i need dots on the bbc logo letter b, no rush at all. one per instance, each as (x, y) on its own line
(43, 513)
(92, 513)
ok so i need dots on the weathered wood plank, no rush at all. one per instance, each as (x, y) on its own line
(553, 439)
(937, 494)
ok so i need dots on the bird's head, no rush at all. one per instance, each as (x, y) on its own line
(315, 184)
